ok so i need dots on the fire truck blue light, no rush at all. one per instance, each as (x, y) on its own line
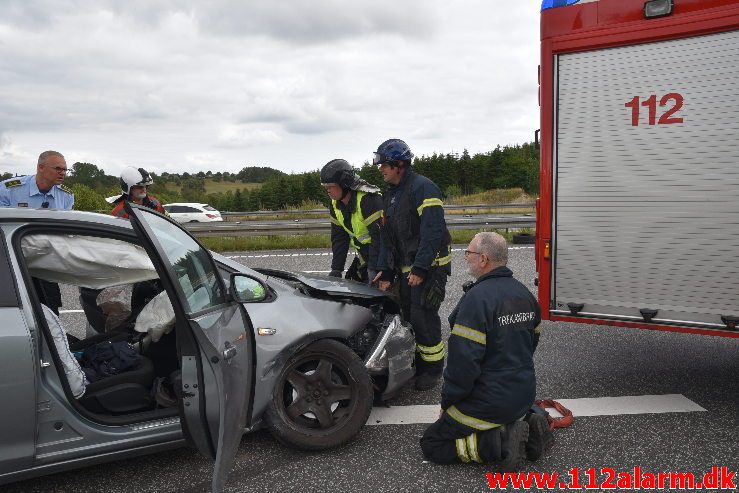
(550, 4)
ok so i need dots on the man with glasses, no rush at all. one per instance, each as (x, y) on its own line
(414, 251)
(44, 190)
(489, 381)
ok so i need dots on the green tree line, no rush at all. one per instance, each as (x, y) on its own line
(455, 174)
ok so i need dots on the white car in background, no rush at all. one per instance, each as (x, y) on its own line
(188, 212)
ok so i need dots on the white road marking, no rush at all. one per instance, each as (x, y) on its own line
(598, 406)
(268, 255)
(328, 254)
(71, 311)
(631, 404)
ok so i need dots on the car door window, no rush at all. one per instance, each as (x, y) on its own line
(199, 287)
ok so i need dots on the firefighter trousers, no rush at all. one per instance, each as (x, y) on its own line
(446, 443)
(424, 317)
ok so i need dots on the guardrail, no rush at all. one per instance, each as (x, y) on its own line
(244, 228)
(325, 210)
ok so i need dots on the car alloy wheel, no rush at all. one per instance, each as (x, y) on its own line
(322, 399)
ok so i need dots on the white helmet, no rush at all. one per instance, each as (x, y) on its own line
(131, 176)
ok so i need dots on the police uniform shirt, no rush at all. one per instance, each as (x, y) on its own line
(24, 192)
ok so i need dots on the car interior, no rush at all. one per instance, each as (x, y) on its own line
(126, 362)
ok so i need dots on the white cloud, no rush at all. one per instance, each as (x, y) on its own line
(287, 84)
(245, 136)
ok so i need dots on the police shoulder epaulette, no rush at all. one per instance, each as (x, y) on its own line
(64, 188)
(12, 183)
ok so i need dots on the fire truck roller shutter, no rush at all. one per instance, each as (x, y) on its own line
(647, 190)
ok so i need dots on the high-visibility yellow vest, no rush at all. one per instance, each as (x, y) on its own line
(359, 233)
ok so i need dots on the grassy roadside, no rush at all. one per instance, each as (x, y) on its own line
(297, 242)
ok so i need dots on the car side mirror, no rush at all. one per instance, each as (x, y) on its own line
(245, 289)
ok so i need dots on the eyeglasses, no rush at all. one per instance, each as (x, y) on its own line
(44, 205)
(467, 253)
(59, 169)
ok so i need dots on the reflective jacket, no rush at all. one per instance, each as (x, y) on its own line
(356, 226)
(489, 379)
(414, 237)
(149, 201)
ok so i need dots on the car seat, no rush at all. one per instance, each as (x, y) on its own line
(123, 393)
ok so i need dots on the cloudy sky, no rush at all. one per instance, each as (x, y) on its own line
(186, 85)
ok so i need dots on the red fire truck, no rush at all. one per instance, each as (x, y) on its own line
(638, 215)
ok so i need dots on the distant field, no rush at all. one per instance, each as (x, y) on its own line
(497, 196)
(218, 186)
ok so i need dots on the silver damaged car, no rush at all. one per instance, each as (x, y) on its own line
(176, 345)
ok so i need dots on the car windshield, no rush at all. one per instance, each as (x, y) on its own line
(208, 208)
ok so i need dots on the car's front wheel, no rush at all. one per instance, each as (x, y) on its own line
(322, 399)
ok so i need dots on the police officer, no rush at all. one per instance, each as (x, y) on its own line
(415, 251)
(133, 184)
(489, 382)
(44, 190)
(356, 209)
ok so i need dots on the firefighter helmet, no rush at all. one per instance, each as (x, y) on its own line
(392, 152)
(340, 172)
(131, 176)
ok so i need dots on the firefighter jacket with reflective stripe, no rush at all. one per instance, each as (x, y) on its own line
(414, 236)
(489, 379)
(356, 226)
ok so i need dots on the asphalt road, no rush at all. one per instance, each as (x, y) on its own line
(573, 361)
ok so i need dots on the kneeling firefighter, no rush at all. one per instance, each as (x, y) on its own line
(356, 209)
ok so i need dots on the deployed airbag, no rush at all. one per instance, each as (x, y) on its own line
(70, 365)
(86, 261)
(156, 318)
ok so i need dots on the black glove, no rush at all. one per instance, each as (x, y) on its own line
(334, 273)
(434, 295)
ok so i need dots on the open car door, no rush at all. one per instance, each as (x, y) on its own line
(214, 338)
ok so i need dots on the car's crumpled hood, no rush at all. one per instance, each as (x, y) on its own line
(329, 285)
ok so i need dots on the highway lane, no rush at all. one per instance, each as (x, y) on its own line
(323, 225)
(573, 361)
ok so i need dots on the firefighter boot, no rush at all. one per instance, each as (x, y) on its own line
(427, 380)
(513, 447)
(541, 437)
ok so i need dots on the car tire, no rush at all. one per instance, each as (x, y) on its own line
(524, 239)
(322, 399)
